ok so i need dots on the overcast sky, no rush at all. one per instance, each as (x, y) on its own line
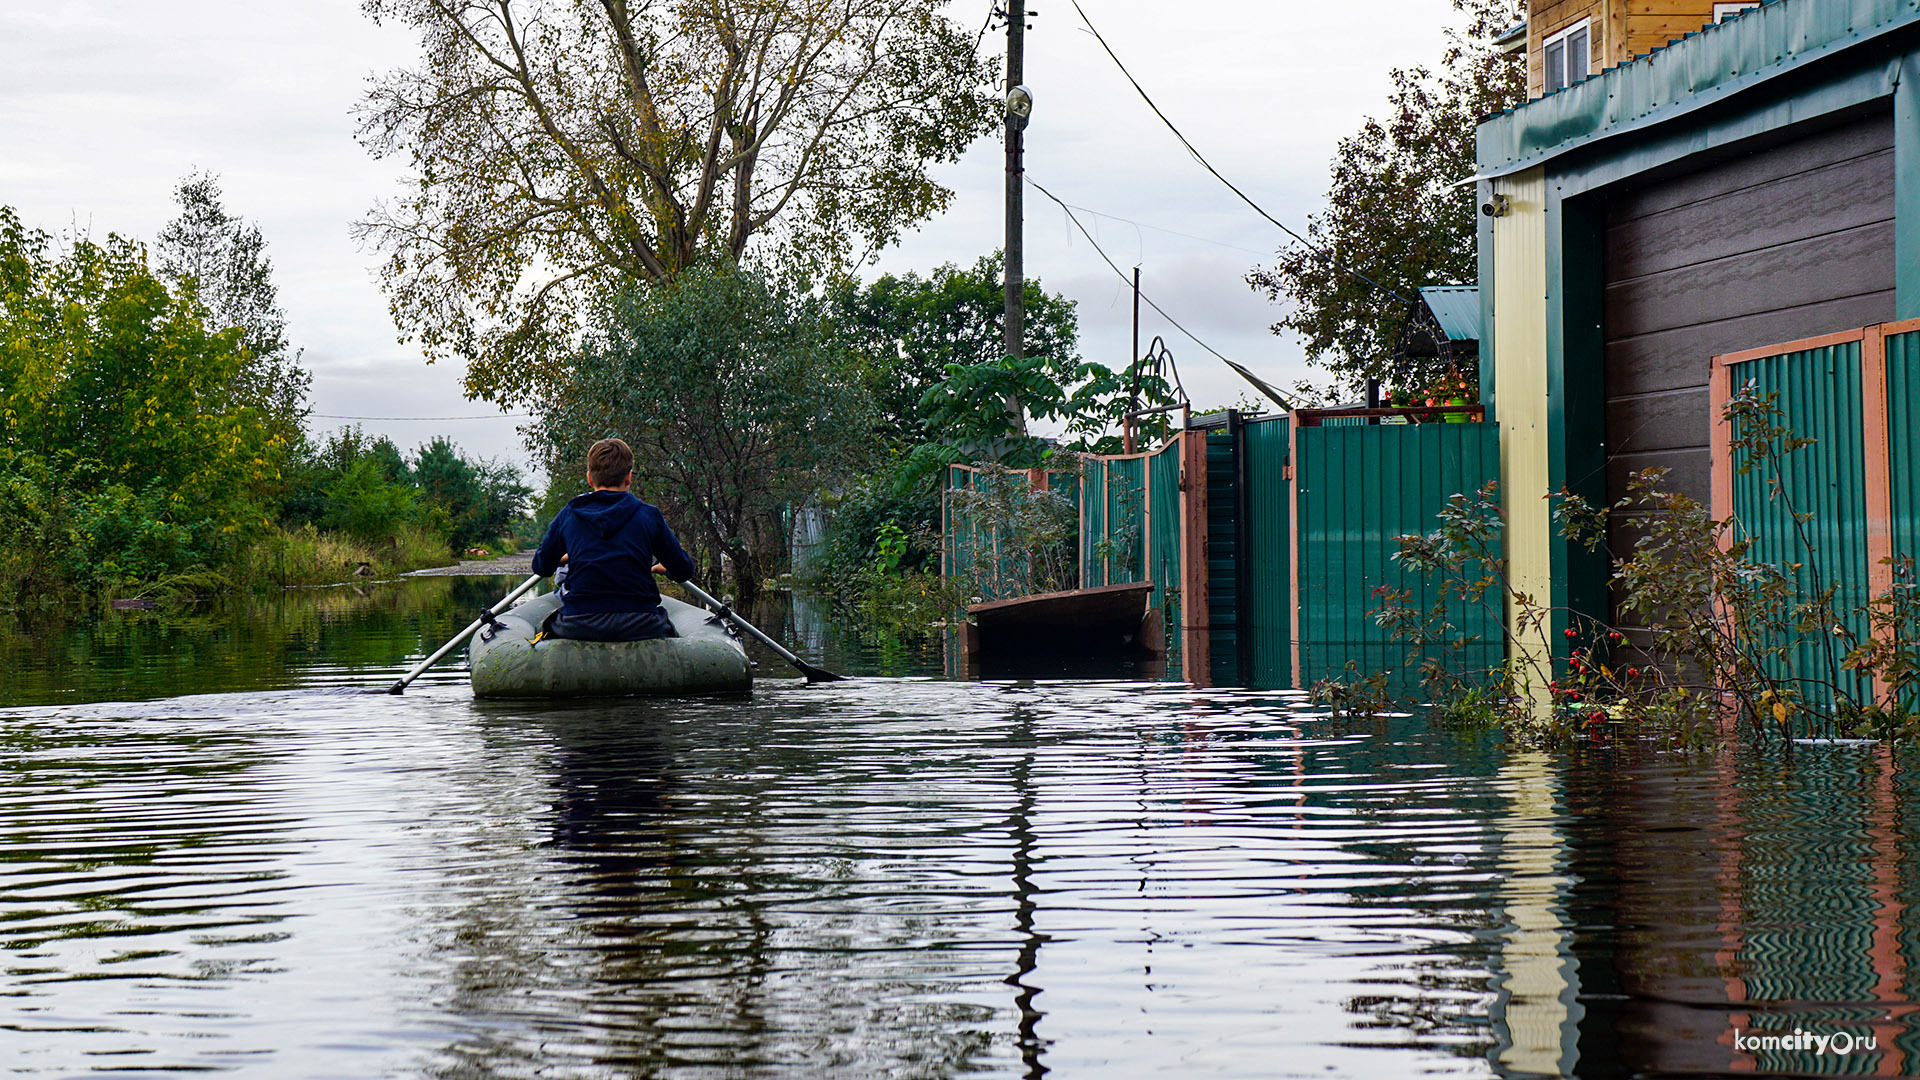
(105, 104)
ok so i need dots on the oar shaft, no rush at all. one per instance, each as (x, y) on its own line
(743, 624)
(463, 635)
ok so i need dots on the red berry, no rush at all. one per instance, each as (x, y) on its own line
(1572, 633)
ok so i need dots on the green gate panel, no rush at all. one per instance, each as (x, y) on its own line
(1223, 560)
(1163, 554)
(1903, 439)
(1266, 612)
(1360, 489)
(1819, 398)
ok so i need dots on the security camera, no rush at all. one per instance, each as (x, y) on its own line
(1496, 206)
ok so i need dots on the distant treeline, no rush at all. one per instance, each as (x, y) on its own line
(152, 436)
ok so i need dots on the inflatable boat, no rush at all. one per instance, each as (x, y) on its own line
(506, 661)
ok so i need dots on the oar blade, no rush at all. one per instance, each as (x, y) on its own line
(815, 674)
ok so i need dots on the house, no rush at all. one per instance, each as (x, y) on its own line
(1569, 41)
(1755, 182)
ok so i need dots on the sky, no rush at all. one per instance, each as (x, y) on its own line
(106, 104)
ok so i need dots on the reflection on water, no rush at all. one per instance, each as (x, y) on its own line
(894, 876)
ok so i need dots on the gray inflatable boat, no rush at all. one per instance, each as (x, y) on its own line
(506, 662)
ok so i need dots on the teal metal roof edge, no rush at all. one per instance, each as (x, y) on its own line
(1456, 308)
(1697, 71)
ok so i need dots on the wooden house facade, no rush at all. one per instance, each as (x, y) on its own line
(1755, 182)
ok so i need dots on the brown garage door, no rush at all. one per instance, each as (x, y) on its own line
(1782, 243)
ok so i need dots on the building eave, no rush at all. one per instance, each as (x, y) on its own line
(1703, 69)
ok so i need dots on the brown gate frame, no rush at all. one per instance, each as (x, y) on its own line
(1874, 439)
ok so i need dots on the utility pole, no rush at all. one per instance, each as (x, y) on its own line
(1019, 105)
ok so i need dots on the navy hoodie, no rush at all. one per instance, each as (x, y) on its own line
(611, 540)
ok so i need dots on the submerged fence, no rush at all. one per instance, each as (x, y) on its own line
(1008, 532)
(1265, 537)
(1841, 508)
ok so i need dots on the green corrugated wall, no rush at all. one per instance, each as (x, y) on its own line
(1163, 541)
(1267, 617)
(1819, 396)
(1903, 439)
(1223, 593)
(1360, 489)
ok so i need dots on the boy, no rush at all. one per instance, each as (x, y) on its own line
(611, 543)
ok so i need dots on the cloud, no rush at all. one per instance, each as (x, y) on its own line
(108, 104)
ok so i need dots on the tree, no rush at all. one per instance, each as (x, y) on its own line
(571, 149)
(908, 331)
(1394, 212)
(480, 498)
(736, 399)
(219, 260)
(110, 379)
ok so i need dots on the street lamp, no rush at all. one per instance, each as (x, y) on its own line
(1019, 107)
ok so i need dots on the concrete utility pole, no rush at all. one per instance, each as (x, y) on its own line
(1019, 104)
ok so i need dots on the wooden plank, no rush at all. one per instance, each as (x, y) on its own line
(1830, 199)
(1293, 547)
(1196, 657)
(1680, 357)
(1787, 275)
(1879, 482)
(1756, 164)
(1720, 447)
(1701, 8)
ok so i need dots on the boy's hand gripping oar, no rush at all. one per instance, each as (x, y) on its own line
(725, 611)
(463, 635)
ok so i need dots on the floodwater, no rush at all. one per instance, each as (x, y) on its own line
(217, 855)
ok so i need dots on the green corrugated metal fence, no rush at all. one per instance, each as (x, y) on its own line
(1903, 439)
(1224, 566)
(1113, 521)
(972, 550)
(1817, 520)
(1359, 489)
(1266, 615)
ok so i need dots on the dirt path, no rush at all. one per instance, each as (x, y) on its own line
(519, 565)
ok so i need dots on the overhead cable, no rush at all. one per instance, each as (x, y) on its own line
(1324, 254)
(488, 416)
(1143, 296)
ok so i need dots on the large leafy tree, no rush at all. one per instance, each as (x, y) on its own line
(222, 262)
(110, 379)
(909, 330)
(737, 400)
(1395, 214)
(932, 355)
(568, 149)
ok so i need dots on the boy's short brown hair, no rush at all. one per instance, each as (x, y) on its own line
(608, 463)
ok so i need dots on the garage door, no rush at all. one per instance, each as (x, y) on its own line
(1784, 243)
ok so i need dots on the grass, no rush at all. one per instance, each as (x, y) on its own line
(290, 558)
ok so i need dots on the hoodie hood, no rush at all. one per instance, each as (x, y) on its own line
(605, 512)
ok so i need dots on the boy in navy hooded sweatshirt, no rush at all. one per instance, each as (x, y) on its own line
(611, 543)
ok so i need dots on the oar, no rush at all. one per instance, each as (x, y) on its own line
(463, 635)
(726, 611)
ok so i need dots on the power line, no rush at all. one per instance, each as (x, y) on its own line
(1164, 229)
(1207, 165)
(488, 416)
(1123, 277)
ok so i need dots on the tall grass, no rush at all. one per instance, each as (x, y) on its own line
(306, 556)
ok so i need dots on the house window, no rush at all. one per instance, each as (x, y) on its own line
(1723, 12)
(1564, 59)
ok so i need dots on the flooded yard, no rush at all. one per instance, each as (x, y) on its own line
(220, 855)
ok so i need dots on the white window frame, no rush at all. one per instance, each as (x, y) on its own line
(1723, 12)
(1584, 26)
